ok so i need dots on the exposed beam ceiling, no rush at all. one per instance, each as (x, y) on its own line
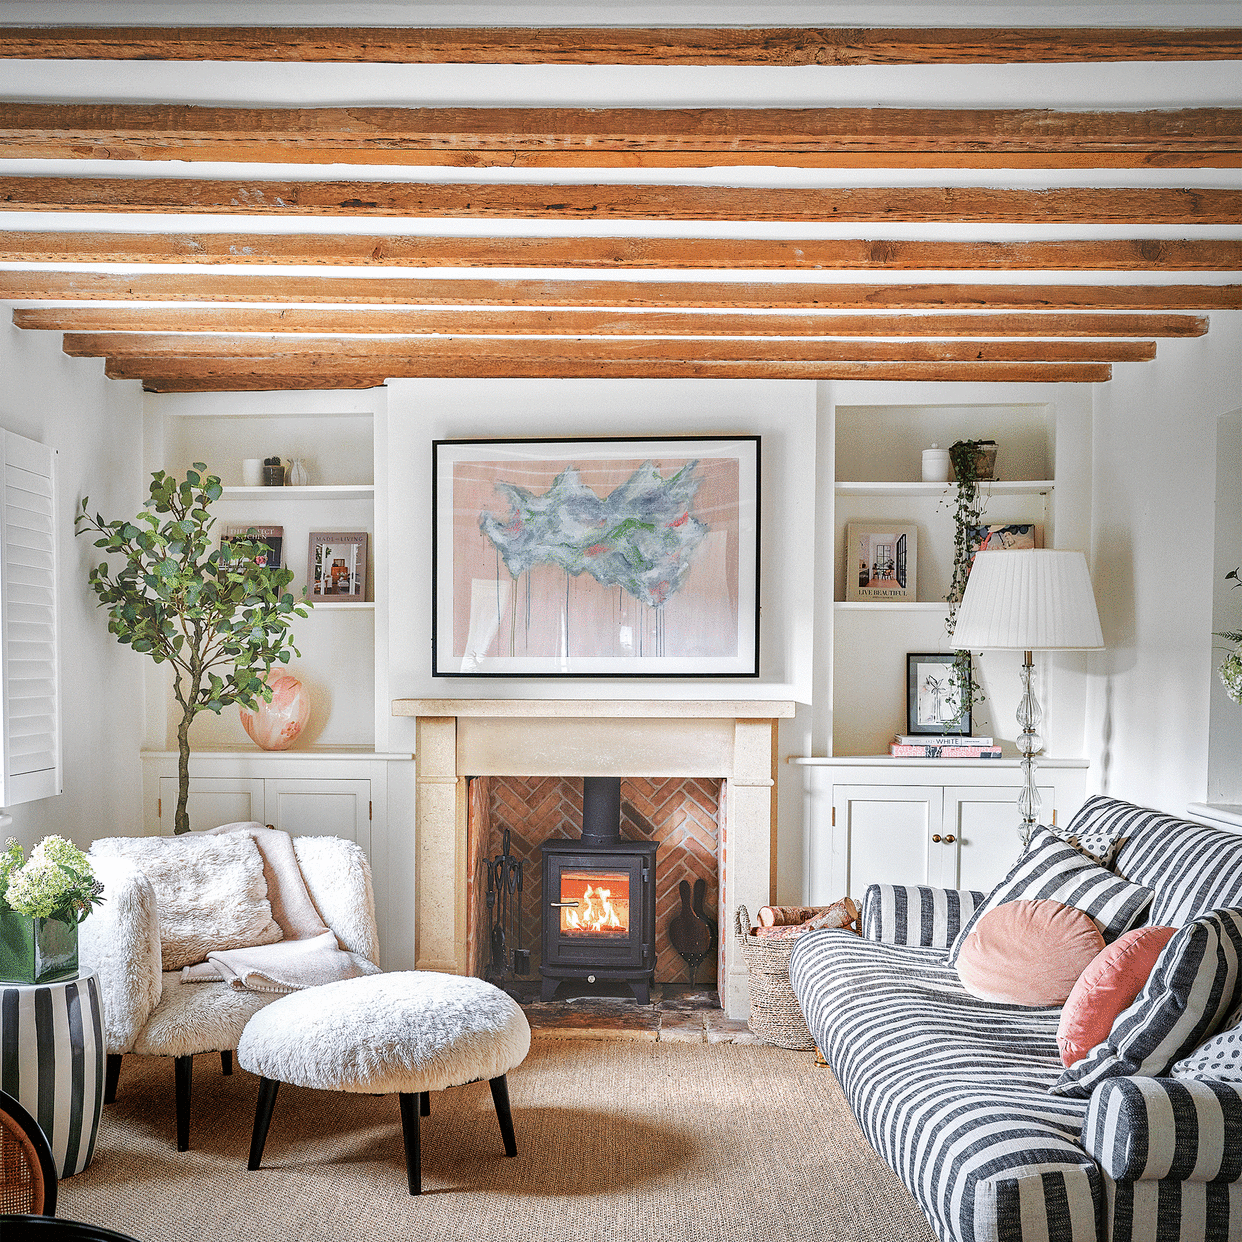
(356, 328)
(620, 46)
(437, 350)
(156, 373)
(512, 321)
(52, 286)
(620, 201)
(655, 137)
(614, 253)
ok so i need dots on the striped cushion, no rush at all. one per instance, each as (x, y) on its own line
(951, 1091)
(1050, 869)
(916, 915)
(1172, 1211)
(1156, 1128)
(1195, 984)
(1193, 868)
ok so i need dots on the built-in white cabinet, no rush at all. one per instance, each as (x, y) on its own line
(953, 825)
(341, 795)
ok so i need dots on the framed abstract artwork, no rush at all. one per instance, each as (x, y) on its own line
(596, 558)
(934, 681)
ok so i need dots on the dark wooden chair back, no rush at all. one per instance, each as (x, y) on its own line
(27, 1172)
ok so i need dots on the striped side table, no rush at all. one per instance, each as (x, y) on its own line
(51, 1059)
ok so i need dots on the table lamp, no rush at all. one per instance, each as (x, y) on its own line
(1036, 599)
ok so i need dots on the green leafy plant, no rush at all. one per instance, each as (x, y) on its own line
(219, 616)
(1230, 671)
(968, 506)
(55, 882)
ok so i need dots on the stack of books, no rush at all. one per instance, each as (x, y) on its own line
(943, 746)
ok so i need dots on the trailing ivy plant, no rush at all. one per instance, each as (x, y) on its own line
(967, 514)
(1230, 670)
(219, 616)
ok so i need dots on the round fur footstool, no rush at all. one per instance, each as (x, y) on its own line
(411, 1032)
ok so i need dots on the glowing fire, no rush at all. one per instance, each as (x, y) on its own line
(595, 912)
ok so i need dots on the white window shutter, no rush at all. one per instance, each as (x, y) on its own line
(30, 765)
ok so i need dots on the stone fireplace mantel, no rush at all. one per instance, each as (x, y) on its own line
(731, 740)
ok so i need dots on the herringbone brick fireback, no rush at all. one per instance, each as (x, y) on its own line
(682, 815)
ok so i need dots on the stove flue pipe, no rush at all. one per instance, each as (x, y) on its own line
(601, 810)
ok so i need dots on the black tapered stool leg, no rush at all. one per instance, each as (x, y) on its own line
(424, 1103)
(262, 1119)
(409, 1132)
(112, 1073)
(226, 1061)
(183, 1074)
(500, 1097)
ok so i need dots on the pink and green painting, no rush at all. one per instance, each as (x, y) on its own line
(585, 559)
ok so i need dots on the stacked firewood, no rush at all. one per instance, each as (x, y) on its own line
(783, 922)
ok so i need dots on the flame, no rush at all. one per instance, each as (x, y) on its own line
(596, 912)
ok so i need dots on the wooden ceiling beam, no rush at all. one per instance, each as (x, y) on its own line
(616, 201)
(561, 322)
(812, 137)
(288, 375)
(681, 253)
(360, 352)
(224, 287)
(791, 46)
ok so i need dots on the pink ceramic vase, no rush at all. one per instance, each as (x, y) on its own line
(275, 725)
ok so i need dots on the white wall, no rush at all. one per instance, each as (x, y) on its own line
(95, 427)
(1225, 742)
(1154, 516)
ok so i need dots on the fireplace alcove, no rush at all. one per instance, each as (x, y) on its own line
(732, 741)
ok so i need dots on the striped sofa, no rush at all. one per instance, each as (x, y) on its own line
(953, 1092)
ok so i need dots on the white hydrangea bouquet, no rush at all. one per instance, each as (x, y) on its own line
(1231, 666)
(55, 882)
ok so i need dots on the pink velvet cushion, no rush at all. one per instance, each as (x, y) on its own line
(1107, 988)
(1028, 952)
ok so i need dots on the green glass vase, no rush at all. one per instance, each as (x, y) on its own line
(37, 950)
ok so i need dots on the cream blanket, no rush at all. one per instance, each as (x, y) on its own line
(308, 956)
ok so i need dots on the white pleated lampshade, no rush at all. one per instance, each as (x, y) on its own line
(1034, 599)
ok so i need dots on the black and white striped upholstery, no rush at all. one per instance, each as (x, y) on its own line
(1187, 1129)
(1193, 988)
(1192, 868)
(1049, 869)
(952, 1091)
(916, 914)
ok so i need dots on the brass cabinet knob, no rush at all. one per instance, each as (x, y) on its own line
(936, 837)
(950, 839)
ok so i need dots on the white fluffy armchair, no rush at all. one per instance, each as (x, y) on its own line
(153, 1013)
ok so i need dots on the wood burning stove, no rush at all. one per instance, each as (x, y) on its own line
(599, 900)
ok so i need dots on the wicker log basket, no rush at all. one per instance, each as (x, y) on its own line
(774, 1013)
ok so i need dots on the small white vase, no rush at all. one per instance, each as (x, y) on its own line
(297, 475)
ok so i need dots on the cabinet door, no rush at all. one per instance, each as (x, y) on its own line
(321, 808)
(882, 834)
(984, 822)
(214, 800)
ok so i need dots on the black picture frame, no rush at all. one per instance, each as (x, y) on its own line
(643, 648)
(926, 715)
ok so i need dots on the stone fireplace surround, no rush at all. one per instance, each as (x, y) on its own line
(734, 741)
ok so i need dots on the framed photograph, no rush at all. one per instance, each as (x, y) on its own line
(881, 562)
(337, 566)
(934, 692)
(596, 558)
(272, 536)
(1009, 537)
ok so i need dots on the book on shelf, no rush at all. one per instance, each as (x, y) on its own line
(940, 739)
(273, 536)
(898, 751)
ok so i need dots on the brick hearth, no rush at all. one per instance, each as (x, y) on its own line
(681, 814)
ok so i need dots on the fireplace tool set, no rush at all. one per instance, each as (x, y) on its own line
(506, 960)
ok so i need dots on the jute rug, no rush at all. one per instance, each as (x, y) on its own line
(616, 1141)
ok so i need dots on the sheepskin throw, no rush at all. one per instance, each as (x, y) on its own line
(210, 891)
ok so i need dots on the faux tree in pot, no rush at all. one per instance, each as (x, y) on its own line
(220, 617)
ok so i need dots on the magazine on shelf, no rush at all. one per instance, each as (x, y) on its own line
(273, 536)
(944, 752)
(945, 739)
